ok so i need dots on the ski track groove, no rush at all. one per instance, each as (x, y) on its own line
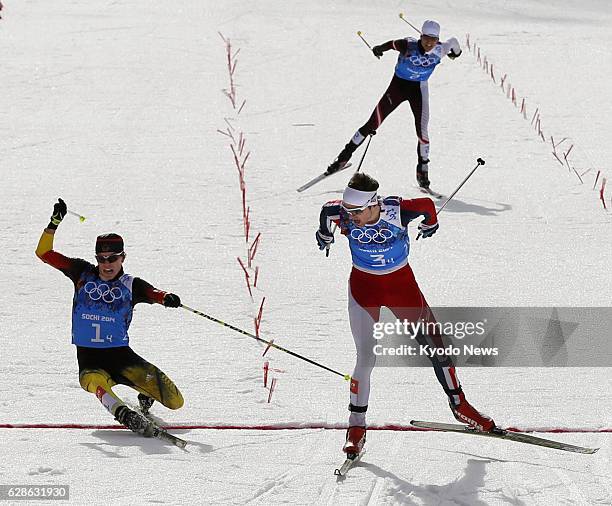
(573, 490)
(602, 465)
(264, 492)
(327, 495)
(379, 484)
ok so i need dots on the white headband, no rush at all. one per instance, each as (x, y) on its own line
(359, 198)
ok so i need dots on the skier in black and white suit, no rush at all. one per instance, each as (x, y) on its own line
(416, 62)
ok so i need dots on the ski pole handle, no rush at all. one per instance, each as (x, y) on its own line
(401, 15)
(81, 218)
(329, 245)
(364, 41)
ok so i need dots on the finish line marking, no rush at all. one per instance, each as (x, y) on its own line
(396, 428)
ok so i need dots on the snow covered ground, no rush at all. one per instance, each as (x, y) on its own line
(115, 107)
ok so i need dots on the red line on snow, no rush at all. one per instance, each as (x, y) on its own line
(291, 426)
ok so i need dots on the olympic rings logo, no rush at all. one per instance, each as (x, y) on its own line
(422, 61)
(102, 291)
(369, 235)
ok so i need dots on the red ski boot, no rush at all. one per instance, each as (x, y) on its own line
(466, 413)
(355, 439)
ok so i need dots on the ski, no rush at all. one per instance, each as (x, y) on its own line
(159, 433)
(429, 191)
(348, 464)
(519, 437)
(320, 177)
(164, 435)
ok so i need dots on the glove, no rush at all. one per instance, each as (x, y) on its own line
(452, 55)
(426, 231)
(172, 300)
(378, 51)
(323, 240)
(59, 211)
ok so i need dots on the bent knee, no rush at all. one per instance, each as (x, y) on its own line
(91, 379)
(175, 401)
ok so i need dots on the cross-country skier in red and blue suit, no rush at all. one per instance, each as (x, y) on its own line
(376, 229)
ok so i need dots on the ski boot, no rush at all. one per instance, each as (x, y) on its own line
(145, 403)
(343, 158)
(335, 166)
(135, 421)
(466, 413)
(355, 439)
(422, 174)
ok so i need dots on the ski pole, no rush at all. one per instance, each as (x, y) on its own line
(358, 169)
(401, 15)
(329, 245)
(270, 343)
(366, 150)
(480, 162)
(81, 218)
(364, 41)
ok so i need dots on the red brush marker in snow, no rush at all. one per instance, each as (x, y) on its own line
(272, 387)
(268, 347)
(246, 276)
(266, 366)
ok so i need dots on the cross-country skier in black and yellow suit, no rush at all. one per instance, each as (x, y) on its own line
(104, 299)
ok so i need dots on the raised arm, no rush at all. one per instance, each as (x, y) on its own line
(71, 267)
(451, 48)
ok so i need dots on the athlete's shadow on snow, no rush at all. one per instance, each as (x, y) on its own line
(461, 491)
(149, 446)
(459, 206)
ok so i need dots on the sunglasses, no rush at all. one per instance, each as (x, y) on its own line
(354, 211)
(109, 258)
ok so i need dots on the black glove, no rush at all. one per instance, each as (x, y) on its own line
(172, 300)
(59, 211)
(378, 51)
(426, 231)
(323, 240)
(452, 55)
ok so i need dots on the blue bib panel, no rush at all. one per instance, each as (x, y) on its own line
(415, 66)
(102, 312)
(381, 247)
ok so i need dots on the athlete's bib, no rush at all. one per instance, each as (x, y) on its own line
(381, 247)
(102, 312)
(415, 66)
